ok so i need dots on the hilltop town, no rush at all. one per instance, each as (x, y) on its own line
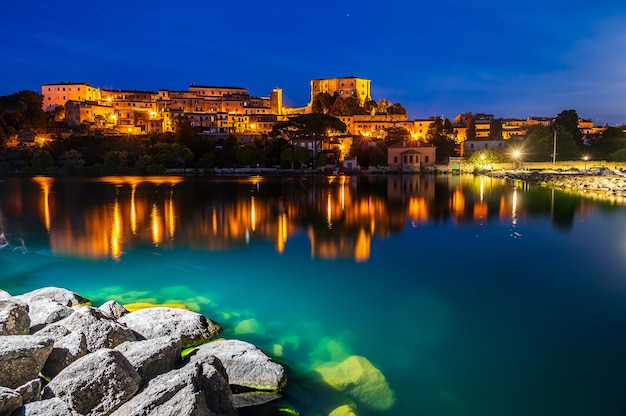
(371, 132)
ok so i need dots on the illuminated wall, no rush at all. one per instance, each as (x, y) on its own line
(344, 87)
(55, 95)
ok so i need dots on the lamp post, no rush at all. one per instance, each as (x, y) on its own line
(554, 149)
(516, 157)
(585, 158)
(482, 162)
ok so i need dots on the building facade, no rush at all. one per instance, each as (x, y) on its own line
(343, 87)
(411, 155)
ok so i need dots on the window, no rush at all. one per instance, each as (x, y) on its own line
(425, 159)
(395, 159)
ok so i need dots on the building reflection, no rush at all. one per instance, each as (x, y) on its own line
(339, 215)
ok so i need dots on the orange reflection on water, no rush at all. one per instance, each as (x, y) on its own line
(155, 218)
(171, 215)
(116, 232)
(45, 184)
(418, 210)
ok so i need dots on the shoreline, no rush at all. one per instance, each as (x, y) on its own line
(612, 183)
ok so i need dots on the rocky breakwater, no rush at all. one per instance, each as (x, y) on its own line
(610, 184)
(59, 356)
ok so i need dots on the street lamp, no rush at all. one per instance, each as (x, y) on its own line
(586, 158)
(516, 155)
(482, 162)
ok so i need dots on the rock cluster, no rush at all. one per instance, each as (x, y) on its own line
(609, 184)
(59, 356)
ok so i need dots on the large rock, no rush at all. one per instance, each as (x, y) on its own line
(192, 328)
(14, 319)
(95, 384)
(65, 351)
(22, 357)
(246, 365)
(113, 309)
(100, 330)
(31, 391)
(9, 400)
(152, 357)
(196, 389)
(57, 294)
(50, 407)
(43, 311)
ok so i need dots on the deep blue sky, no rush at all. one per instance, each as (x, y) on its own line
(511, 59)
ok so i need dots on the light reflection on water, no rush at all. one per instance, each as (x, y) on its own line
(454, 295)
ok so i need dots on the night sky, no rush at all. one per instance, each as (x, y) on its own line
(510, 59)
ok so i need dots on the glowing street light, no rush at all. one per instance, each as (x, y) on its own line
(516, 156)
(585, 158)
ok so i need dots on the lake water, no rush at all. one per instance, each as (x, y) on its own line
(395, 295)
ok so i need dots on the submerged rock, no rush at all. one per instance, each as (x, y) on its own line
(22, 357)
(95, 384)
(360, 380)
(192, 328)
(246, 365)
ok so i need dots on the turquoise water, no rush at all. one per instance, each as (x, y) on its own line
(392, 295)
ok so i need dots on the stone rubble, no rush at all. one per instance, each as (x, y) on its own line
(59, 356)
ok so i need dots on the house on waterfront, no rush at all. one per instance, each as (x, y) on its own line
(411, 155)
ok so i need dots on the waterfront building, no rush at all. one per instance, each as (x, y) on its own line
(411, 155)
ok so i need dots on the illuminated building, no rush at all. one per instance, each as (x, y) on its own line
(343, 87)
(411, 155)
(58, 94)
(214, 109)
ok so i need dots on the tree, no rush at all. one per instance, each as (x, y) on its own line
(322, 103)
(71, 163)
(248, 155)
(470, 133)
(396, 109)
(22, 110)
(568, 119)
(396, 135)
(115, 162)
(539, 144)
(185, 134)
(42, 161)
(307, 125)
(612, 140)
(383, 105)
(370, 106)
(495, 128)
(440, 133)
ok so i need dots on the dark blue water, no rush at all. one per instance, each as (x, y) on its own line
(389, 295)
